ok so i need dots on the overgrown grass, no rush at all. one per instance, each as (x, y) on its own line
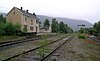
(82, 36)
(6, 38)
(42, 51)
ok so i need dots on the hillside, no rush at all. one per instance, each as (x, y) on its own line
(71, 22)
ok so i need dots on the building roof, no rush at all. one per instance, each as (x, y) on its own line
(27, 13)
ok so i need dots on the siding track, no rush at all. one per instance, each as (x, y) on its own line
(7, 59)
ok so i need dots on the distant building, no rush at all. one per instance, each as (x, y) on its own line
(44, 30)
(26, 19)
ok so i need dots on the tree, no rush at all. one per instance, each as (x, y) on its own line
(2, 19)
(81, 30)
(53, 25)
(10, 29)
(69, 30)
(7, 29)
(66, 28)
(97, 28)
(2, 31)
(92, 31)
(57, 27)
(46, 24)
(40, 25)
(62, 27)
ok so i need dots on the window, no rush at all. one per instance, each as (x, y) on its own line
(25, 19)
(37, 21)
(31, 28)
(31, 22)
(14, 13)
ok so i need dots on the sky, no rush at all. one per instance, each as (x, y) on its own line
(75, 9)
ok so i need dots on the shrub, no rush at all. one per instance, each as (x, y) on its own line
(42, 51)
(25, 29)
(9, 29)
(99, 34)
(81, 36)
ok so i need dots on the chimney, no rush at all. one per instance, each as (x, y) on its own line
(34, 14)
(21, 8)
(26, 10)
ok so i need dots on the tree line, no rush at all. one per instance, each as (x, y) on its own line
(95, 30)
(57, 27)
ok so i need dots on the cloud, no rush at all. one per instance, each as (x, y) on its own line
(78, 9)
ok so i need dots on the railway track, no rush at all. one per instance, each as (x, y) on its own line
(95, 39)
(9, 58)
(55, 49)
(3, 44)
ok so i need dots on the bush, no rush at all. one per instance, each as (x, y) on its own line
(99, 34)
(25, 29)
(9, 29)
(81, 36)
(2, 29)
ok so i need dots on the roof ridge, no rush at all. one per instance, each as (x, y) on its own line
(28, 14)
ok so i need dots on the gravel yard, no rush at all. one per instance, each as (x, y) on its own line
(79, 50)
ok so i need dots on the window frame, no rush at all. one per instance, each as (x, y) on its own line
(14, 12)
(31, 28)
(25, 19)
(31, 21)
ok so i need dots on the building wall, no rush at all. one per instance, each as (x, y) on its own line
(14, 16)
(30, 22)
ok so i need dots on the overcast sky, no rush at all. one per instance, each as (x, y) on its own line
(76, 9)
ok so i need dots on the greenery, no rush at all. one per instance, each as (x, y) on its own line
(42, 51)
(7, 28)
(17, 26)
(96, 27)
(81, 36)
(6, 38)
(60, 27)
(25, 29)
(95, 30)
(40, 25)
(46, 24)
(82, 30)
(2, 19)
(55, 26)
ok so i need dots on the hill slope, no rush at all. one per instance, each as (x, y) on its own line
(71, 22)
